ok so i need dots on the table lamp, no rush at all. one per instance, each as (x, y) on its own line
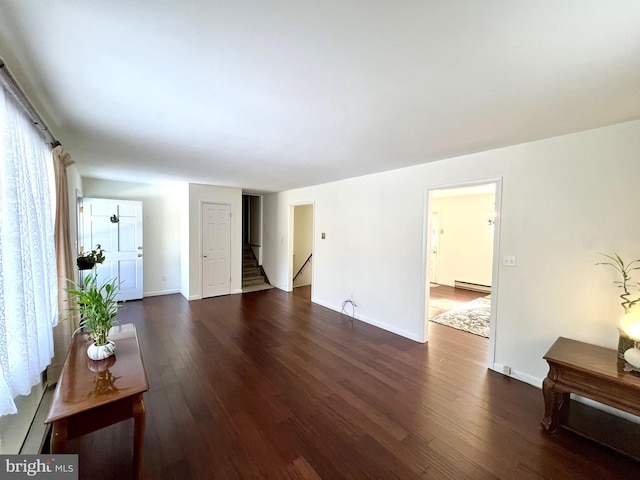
(631, 326)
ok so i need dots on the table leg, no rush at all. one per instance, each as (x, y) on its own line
(59, 436)
(555, 405)
(139, 418)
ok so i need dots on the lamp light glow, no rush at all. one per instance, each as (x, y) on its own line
(631, 324)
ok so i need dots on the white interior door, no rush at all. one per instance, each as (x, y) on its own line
(435, 245)
(216, 250)
(117, 226)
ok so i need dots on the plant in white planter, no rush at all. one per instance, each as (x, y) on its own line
(98, 308)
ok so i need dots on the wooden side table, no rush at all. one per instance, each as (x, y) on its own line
(91, 395)
(590, 371)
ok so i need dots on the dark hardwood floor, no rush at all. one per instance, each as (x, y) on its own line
(268, 385)
(444, 297)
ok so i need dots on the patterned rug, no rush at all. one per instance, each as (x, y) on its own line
(472, 317)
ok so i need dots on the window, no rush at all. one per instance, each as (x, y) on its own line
(28, 279)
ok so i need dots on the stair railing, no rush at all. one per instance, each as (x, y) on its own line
(303, 265)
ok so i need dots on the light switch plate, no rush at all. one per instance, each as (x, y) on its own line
(509, 260)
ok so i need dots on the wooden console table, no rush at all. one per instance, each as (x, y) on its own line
(590, 371)
(91, 395)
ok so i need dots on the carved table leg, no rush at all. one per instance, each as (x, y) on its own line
(59, 436)
(139, 418)
(555, 405)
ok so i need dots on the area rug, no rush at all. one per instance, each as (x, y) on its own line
(472, 317)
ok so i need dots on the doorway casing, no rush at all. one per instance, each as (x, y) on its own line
(426, 249)
(292, 207)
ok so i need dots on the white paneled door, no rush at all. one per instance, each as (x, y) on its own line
(117, 226)
(216, 250)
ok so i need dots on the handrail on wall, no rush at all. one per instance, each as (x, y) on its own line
(303, 265)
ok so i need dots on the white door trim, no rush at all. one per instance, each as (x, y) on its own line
(290, 244)
(426, 248)
(115, 230)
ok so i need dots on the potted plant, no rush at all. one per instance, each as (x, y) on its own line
(98, 308)
(629, 304)
(87, 260)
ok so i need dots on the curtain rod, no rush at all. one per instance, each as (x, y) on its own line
(14, 89)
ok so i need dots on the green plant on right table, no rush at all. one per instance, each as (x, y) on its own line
(625, 283)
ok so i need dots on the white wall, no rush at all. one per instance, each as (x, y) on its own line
(563, 200)
(302, 243)
(199, 194)
(465, 249)
(161, 214)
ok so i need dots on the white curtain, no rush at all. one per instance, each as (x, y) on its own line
(28, 280)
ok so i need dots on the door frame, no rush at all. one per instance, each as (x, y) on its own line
(435, 269)
(201, 247)
(124, 293)
(426, 247)
(291, 239)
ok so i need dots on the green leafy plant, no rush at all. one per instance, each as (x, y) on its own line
(626, 284)
(96, 255)
(97, 306)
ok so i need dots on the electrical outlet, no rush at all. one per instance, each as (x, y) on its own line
(506, 369)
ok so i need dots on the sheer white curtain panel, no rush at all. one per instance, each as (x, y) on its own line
(28, 279)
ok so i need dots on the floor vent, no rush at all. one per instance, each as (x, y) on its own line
(476, 287)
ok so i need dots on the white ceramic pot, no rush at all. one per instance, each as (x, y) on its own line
(95, 352)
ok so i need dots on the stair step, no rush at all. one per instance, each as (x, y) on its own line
(251, 272)
(255, 280)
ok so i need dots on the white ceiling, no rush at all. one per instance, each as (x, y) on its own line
(270, 95)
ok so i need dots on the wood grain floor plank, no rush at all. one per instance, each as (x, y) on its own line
(267, 385)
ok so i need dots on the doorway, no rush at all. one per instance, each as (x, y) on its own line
(116, 225)
(461, 252)
(301, 252)
(216, 249)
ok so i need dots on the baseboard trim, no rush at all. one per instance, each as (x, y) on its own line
(523, 377)
(158, 293)
(34, 443)
(375, 323)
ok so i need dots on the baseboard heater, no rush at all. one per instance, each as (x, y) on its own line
(476, 287)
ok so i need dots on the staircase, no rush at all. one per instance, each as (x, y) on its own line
(251, 272)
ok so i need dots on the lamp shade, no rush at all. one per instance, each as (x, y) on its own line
(631, 323)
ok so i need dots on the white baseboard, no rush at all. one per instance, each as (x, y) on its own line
(537, 382)
(606, 408)
(523, 377)
(382, 325)
(157, 293)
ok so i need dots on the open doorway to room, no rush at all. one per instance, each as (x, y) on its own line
(302, 249)
(461, 260)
